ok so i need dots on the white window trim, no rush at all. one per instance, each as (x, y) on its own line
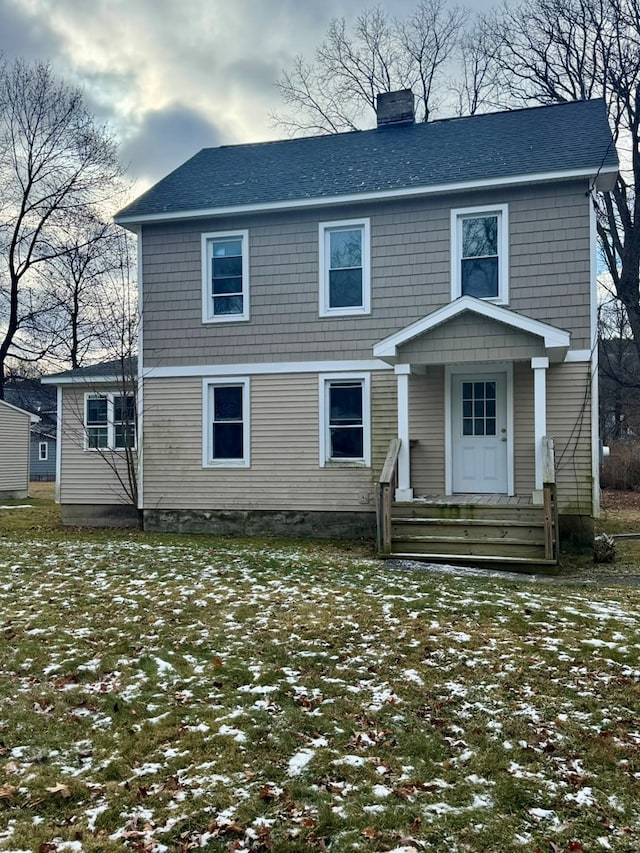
(207, 419)
(111, 426)
(207, 299)
(43, 445)
(324, 229)
(502, 211)
(324, 440)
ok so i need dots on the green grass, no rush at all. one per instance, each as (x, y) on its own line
(177, 693)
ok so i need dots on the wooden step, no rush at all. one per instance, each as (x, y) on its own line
(468, 548)
(467, 529)
(453, 511)
(513, 563)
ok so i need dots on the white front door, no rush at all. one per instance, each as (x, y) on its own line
(479, 433)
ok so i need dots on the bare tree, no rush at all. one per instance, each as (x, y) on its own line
(552, 51)
(337, 90)
(55, 166)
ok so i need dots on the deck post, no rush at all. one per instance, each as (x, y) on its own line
(540, 367)
(404, 492)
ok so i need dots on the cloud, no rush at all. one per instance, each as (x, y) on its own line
(166, 138)
(25, 35)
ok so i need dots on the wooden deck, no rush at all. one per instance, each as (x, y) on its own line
(490, 500)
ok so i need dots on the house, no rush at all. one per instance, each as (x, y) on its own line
(40, 400)
(15, 428)
(397, 323)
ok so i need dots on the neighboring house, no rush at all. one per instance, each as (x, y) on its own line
(15, 427)
(40, 400)
(414, 304)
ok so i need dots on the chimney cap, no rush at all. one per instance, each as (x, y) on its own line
(395, 108)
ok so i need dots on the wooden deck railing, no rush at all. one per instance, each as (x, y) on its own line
(550, 501)
(385, 490)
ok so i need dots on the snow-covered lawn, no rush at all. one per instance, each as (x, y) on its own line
(182, 696)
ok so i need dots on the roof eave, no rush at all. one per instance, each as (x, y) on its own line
(603, 177)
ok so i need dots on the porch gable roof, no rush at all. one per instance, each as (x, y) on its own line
(556, 341)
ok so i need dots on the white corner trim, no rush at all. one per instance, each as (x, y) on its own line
(58, 443)
(350, 198)
(263, 369)
(140, 388)
(553, 337)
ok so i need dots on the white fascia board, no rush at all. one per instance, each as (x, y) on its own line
(351, 198)
(81, 380)
(263, 369)
(553, 338)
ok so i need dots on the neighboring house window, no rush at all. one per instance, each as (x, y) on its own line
(479, 251)
(225, 276)
(110, 421)
(345, 286)
(226, 423)
(43, 451)
(344, 419)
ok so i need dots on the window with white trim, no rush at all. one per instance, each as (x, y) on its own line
(43, 451)
(345, 277)
(110, 421)
(480, 253)
(226, 423)
(225, 276)
(344, 419)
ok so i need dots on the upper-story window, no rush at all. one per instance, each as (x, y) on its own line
(345, 285)
(480, 253)
(225, 276)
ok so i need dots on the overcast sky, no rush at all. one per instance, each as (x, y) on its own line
(173, 76)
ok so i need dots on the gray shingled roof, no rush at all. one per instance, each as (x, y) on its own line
(105, 370)
(564, 137)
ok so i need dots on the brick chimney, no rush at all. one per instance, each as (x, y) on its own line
(395, 108)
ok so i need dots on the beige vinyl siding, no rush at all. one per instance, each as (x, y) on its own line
(523, 430)
(86, 475)
(569, 424)
(470, 338)
(15, 427)
(285, 473)
(426, 427)
(410, 276)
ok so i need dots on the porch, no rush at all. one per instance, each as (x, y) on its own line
(487, 528)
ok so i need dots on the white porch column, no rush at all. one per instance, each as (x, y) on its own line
(404, 492)
(539, 366)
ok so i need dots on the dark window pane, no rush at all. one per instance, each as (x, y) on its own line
(346, 443)
(467, 390)
(467, 409)
(97, 437)
(345, 404)
(227, 247)
(345, 288)
(123, 409)
(227, 441)
(227, 285)
(125, 436)
(97, 411)
(480, 278)
(225, 267)
(227, 305)
(478, 390)
(346, 248)
(491, 408)
(227, 404)
(479, 236)
(479, 427)
(491, 426)
(479, 408)
(467, 426)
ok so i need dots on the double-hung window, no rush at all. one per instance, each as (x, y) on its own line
(225, 276)
(344, 419)
(43, 451)
(345, 285)
(479, 252)
(110, 421)
(226, 423)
